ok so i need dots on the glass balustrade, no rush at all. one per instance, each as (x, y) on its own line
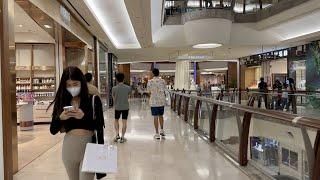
(276, 147)
(227, 129)
(191, 111)
(279, 149)
(205, 117)
(177, 7)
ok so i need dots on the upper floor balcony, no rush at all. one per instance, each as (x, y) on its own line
(239, 11)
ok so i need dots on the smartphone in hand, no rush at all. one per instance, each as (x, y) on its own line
(68, 108)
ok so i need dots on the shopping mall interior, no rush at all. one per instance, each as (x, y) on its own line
(242, 87)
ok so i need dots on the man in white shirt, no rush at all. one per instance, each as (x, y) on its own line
(156, 88)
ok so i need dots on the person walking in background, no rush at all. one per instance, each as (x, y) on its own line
(92, 89)
(156, 87)
(73, 114)
(263, 90)
(120, 94)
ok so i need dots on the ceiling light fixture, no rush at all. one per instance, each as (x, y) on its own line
(121, 34)
(47, 26)
(206, 46)
(20, 25)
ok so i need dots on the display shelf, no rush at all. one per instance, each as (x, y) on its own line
(42, 84)
(23, 68)
(44, 77)
(27, 83)
(44, 90)
(43, 68)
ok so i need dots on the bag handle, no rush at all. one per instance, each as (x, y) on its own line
(94, 117)
(93, 108)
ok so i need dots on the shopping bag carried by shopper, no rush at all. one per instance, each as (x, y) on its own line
(99, 158)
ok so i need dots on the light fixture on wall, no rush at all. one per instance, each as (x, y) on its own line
(20, 25)
(47, 26)
(206, 46)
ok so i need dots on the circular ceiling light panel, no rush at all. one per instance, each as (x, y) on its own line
(206, 46)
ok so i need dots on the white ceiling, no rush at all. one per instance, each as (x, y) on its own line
(27, 30)
(299, 26)
(162, 43)
(115, 21)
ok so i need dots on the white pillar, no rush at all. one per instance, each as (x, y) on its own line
(182, 75)
(265, 68)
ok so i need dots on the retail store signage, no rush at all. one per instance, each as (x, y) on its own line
(65, 14)
(197, 57)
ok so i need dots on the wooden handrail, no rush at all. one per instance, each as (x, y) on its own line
(277, 116)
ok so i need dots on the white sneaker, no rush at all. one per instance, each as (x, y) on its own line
(157, 136)
(162, 132)
(116, 138)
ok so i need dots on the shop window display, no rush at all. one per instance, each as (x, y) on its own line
(313, 72)
(212, 81)
(290, 158)
(297, 70)
(265, 152)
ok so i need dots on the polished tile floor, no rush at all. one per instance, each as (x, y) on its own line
(182, 156)
(32, 144)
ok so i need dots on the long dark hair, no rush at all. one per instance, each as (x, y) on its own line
(63, 97)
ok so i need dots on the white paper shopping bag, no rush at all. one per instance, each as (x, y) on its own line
(100, 158)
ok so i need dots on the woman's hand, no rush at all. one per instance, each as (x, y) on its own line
(64, 115)
(77, 114)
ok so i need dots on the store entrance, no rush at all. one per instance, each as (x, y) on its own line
(36, 81)
(43, 49)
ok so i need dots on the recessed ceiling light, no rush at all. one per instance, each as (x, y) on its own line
(47, 26)
(20, 25)
(206, 46)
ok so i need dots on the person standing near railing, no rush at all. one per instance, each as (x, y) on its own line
(291, 96)
(263, 89)
(277, 87)
(208, 3)
(285, 96)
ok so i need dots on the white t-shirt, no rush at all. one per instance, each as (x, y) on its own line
(156, 87)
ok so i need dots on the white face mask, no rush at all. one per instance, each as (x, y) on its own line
(74, 91)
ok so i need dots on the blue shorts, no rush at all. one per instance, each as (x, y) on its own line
(157, 111)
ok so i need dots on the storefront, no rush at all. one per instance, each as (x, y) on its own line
(43, 47)
(112, 71)
(102, 73)
(208, 80)
(271, 66)
(297, 66)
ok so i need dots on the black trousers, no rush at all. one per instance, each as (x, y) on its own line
(265, 99)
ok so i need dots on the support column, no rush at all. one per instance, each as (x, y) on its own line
(59, 52)
(125, 69)
(182, 75)
(232, 75)
(95, 61)
(8, 111)
(84, 63)
(196, 73)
